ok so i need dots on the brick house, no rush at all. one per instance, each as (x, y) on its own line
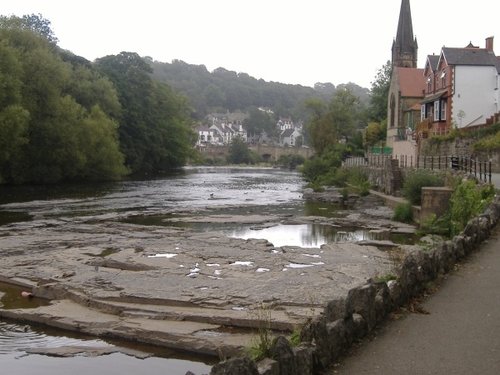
(461, 89)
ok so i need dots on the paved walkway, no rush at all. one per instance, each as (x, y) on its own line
(459, 336)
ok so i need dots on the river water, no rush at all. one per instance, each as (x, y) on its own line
(147, 202)
(259, 190)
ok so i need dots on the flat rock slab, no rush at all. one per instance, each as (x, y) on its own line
(86, 351)
(174, 287)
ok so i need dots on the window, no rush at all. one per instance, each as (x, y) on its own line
(443, 79)
(429, 85)
(423, 115)
(393, 111)
(442, 115)
(436, 110)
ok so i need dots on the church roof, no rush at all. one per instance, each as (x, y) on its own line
(411, 82)
(404, 37)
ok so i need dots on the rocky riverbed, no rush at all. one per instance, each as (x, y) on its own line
(192, 290)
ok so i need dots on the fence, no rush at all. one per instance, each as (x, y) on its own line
(479, 168)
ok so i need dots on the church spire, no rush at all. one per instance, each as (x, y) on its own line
(405, 47)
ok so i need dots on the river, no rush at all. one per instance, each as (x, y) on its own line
(219, 190)
(258, 190)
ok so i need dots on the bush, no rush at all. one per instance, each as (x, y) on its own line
(290, 161)
(318, 167)
(415, 181)
(357, 180)
(468, 200)
(403, 213)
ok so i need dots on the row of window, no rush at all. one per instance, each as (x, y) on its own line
(440, 82)
(436, 110)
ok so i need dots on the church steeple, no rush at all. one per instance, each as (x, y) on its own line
(405, 47)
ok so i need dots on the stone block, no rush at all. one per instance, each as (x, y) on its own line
(435, 201)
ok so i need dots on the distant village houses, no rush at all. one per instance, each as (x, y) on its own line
(220, 130)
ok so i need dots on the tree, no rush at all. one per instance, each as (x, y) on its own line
(46, 134)
(374, 133)
(155, 133)
(333, 123)
(32, 22)
(239, 153)
(259, 122)
(379, 93)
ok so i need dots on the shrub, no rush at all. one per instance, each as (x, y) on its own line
(468, 200)
(403, 212)
(290, 161)
(415, 181)
(357, 180)
(314, 167)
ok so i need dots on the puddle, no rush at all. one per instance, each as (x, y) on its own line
(16, 340)
(12, 298)
(314, 235)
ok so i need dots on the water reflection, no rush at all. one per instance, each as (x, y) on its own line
(15, 339)
(308, 235)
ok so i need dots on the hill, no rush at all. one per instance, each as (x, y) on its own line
(223, 90)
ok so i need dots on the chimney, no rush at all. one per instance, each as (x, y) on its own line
(489, 44)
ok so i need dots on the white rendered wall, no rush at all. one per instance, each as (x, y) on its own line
(475, 97)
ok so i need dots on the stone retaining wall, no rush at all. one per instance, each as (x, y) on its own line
(326, 338)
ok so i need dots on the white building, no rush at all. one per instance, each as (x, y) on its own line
(462, 91)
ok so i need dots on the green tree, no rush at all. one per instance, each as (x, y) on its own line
(43, 127)
(379, 93)
(374, 133)
(32, 22)
(239, 153)
(259, 122)
(331, 124)
(155, 133)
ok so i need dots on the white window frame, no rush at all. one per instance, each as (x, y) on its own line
(442, 112)
(436, 110)
(422, 112)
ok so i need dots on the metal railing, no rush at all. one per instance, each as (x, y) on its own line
(481, 169)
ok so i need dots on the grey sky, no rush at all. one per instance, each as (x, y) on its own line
(288, 41)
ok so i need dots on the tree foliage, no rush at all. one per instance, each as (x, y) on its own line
(224, 90)
(379, 93)
(239, 153)
(374, 133)
(154, 131)
(259, 122)
(330, 124)
(46, 133)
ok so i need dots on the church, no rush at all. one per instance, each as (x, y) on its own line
(406, 90)
(457, 89)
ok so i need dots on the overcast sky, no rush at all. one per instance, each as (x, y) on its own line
(289, 41)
